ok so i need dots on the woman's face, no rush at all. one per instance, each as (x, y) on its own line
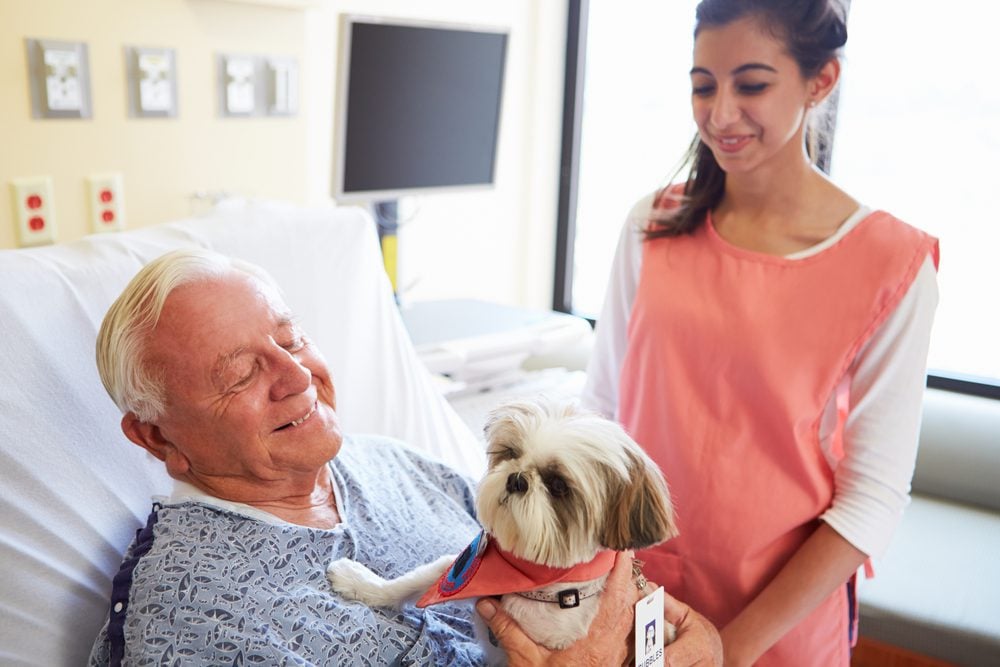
(749, 97)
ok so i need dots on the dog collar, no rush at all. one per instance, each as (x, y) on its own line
(566, 598)
(484, 569)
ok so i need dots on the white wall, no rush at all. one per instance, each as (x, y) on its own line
(496, 244)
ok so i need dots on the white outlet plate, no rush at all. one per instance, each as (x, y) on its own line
(106, 197)
(34, 210)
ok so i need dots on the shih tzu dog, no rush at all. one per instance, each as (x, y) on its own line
(564, 490)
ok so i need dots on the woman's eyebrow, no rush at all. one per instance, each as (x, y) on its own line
(754, 66)
(739, 70)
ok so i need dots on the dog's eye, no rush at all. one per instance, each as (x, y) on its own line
(556, 485)
(502, 453)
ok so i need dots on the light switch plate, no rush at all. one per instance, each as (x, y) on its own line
(107, 202)
(34, 210)
(238, 88)
(282, 86)
(59, 78)
(152, 82)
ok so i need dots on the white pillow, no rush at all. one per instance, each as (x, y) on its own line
(75, 490)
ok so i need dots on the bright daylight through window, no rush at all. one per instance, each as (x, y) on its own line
(916, 135)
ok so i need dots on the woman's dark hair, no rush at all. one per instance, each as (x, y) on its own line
(813, 32)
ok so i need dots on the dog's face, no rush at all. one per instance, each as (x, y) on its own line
(562, 484)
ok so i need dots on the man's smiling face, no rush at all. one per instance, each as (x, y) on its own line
(249, 399)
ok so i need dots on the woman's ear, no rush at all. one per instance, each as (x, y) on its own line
(149, 436)
(821, 85)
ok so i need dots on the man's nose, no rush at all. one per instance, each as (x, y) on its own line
(292, 377)
(517, 483)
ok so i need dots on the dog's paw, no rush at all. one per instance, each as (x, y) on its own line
(669, 633)
(353, 581)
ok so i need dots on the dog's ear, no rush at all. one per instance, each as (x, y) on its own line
(640, 512)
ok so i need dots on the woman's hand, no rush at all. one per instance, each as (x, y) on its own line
(608, 641)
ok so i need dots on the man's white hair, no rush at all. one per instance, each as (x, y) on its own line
(133, 384)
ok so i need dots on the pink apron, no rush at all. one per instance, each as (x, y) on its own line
(732, 357)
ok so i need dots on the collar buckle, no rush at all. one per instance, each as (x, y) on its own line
(569, 598)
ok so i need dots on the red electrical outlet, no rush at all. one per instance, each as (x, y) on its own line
(107, 202)
(34, 210)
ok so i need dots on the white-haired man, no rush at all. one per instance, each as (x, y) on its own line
(216, 379)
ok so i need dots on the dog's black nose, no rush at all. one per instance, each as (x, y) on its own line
(516, 483)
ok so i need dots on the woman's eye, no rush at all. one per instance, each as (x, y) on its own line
(753, 88)
(702, 91)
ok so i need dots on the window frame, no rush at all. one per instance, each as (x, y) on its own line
(569, 173)
(577, 13)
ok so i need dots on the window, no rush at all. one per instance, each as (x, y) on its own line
(636, 125)
(916, 134)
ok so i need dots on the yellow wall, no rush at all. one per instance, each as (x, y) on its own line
(496, 244)
(163, 161)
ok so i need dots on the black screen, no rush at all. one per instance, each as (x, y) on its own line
(423, 107)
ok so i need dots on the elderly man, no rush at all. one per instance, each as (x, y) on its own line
(215, 379)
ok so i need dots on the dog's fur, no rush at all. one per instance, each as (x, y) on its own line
(590, 487)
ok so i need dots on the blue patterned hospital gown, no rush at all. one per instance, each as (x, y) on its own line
(203, 585)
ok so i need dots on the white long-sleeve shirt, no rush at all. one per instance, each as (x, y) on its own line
(872, 480)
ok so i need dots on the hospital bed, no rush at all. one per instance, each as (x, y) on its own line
(74, 490)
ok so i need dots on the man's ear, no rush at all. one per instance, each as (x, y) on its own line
(149, 436)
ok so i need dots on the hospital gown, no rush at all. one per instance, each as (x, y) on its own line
(204, 584)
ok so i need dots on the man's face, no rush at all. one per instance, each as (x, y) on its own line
(249, 399)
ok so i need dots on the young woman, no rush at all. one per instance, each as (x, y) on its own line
(765, 336)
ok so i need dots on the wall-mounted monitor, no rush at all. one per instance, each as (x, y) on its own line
(417, 109)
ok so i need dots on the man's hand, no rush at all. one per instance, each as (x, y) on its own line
(698, 643)
(606, 643)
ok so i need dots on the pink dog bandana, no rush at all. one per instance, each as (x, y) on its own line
(484, 569)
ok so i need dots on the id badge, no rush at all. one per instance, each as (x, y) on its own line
(649, 630)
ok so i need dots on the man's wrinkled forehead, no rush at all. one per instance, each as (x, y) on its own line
(273, 296)
(221, 286)
(196, 309)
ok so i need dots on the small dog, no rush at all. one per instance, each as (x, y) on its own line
(563, 491)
